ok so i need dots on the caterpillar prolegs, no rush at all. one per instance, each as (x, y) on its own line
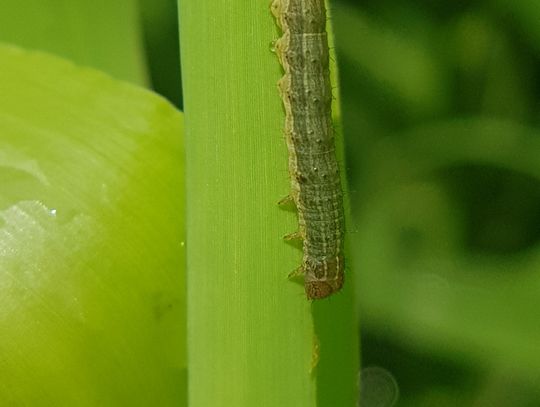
(314, 173)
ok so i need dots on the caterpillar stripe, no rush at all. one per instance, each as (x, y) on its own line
(306, 92)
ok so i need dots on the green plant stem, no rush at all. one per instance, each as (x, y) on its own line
(250, 330)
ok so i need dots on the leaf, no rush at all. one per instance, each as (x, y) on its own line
(92, 302)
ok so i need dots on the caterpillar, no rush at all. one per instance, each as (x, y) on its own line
(306, 92)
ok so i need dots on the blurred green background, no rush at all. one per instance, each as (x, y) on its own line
(440, 116)
(440, 108)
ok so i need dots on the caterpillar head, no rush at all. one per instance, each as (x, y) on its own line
(323, 278)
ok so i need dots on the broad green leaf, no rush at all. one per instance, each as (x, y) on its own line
(92, 302)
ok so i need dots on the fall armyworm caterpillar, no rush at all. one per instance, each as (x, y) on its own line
(315, 181)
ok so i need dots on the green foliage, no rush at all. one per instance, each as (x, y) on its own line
(91, 239)
(440, 113)
(102, 34)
